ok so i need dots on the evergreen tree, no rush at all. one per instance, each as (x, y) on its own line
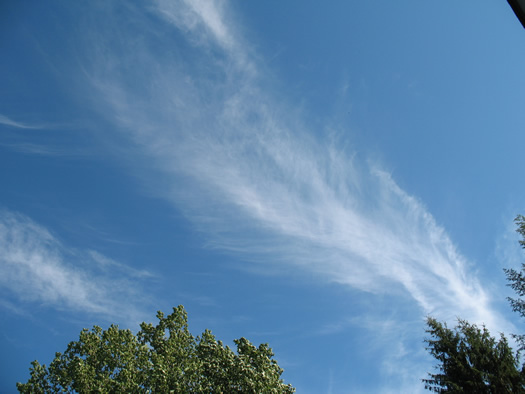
(517, 282)
(470, 359)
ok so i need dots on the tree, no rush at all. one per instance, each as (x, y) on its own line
(471, 360)
(517, 282)
(162, 358)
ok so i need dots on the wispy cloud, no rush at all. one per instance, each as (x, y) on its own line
(5, 121)
(36, 267)
(258, 181)
(42, 138)
(251, 173)
(203, 18)
(109, 265)
(42, 149)
(253, 166)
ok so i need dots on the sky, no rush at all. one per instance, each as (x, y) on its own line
(318, 176)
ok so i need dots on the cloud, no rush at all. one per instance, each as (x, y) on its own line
(43, 150)
(108, 265)
(5, 121)
(221, 142)
(203, 18)
(42, 138)
(36, 267)
(258, 181)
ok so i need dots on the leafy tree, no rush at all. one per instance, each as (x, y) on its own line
(471, 360)
(163, 358)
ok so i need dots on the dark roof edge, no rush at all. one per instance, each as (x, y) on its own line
(518, 10)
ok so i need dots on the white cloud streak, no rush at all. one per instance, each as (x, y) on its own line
(200, 16)
(5, 121)
(36, 267)
(259, 182)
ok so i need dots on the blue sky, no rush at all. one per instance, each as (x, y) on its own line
(320, 177)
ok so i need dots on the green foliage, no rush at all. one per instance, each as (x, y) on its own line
(471, 360)
(516, 281)
(163, 358)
